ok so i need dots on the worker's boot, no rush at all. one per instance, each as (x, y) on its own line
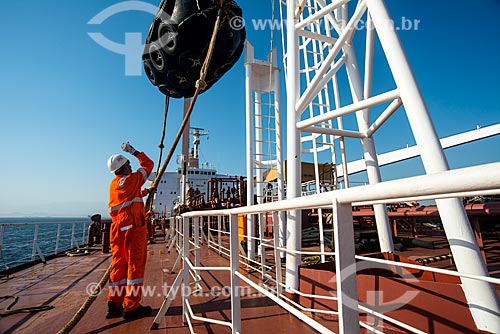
(114, 311)
(139, 312)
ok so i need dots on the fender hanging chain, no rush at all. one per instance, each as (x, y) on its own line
(160, 145)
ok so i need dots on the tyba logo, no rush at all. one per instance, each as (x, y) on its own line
(133, 46)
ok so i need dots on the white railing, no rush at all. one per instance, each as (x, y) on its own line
(470, 181)
(22, 243)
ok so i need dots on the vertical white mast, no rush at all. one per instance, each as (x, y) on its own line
(185, 154)
(335, 43)
(481, 296)
(249, 52)
(293, 173)
(263, 140)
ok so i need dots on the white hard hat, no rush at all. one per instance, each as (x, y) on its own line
(115, 162)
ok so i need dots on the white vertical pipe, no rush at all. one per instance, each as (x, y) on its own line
(2, 233)
(369, 151)
(196, 236)
(83, 232)
(330, 123)
(249, 149)
(259, 176)
(262, 250)
(185, 153)
(294, 223)
(259, 147)
(277, 254)
(345, 268)
(180, 230)
(219, 233)
(74, 243)
(316, 64)
(235, 280)
(58, 237)
(381, 216)
(185, 266)
(483, 301)
(370, 41)
(341, 127)
(35, 241)
(279, 158)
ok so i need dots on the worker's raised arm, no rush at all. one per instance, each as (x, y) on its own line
(146, 163)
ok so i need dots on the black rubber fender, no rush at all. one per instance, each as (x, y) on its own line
(167, 37)
(178, 42)
(157, 56)
(150, 71)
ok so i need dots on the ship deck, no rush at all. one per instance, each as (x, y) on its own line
(64, 283)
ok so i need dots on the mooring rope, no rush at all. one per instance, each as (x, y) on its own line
(200, 85)
(160, 145)
(9, 310)
(83, 309)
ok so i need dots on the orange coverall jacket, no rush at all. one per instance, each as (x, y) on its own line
(128, 236)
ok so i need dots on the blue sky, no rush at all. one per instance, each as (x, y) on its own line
(66, 103)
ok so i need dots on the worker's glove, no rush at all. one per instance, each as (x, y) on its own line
(129, 148)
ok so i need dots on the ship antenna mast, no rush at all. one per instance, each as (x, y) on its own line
(197, 133)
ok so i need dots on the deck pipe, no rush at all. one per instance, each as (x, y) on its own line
(293, 173)
(481, 296)
(249, 52)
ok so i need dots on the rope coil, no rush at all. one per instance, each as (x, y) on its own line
(34, 309)
(83, 309)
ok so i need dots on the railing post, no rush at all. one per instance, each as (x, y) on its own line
(179, 229)
(262, 249)
(345, 268)
(235, 280)
(58, 237)
(277, 253)
(219, 234)
(74, 243)
(36, 247)
(2, 233)
(261, 233)
(83, 232)
(185, 267)
(197, 250)
(197, 242)
(35, 243)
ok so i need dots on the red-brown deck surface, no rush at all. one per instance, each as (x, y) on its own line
(63, 282)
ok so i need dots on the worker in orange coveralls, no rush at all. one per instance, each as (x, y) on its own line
(128, 235)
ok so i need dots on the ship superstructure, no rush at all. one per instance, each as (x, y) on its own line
(169, 191)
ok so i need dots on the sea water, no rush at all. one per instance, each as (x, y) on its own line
(17, 235)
